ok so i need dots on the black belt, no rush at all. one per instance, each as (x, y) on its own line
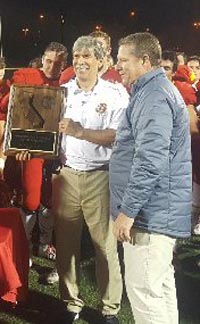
(104, 167)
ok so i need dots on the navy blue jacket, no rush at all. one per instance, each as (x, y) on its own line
(150, 167)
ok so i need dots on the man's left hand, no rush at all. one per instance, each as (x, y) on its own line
(122, 228)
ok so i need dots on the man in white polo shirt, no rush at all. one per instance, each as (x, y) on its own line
(81, 192)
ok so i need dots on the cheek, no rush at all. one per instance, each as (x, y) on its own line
(45, 67)
(133, 74)
(58, 68)
(95, 67)
(130, 71)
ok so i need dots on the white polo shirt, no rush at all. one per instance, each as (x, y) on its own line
(98, 109)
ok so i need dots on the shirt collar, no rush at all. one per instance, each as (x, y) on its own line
(77, 89)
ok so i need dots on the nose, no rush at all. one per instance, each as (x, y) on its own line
(80, 59)
(53, 66)
(118, 66)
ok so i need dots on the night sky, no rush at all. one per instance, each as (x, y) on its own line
(171, 21)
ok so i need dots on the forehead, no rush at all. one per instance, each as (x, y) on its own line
(84, 51)
(125, 50)
(193, 63)
(54, 56)
(166, 63)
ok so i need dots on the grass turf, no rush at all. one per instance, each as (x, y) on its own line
(44, 306)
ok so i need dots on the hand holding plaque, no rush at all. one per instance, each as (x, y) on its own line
(32, 122)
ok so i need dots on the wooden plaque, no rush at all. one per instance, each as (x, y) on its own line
(32, 121)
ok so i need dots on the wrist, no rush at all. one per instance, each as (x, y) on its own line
(2, 163)
(80, 134)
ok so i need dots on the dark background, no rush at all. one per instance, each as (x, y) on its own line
(171, 21)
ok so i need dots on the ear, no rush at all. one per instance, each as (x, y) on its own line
(100, 64)
(42, 59)
(109, 50)
(145, 59)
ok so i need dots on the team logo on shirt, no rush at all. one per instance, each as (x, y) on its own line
(101, 108)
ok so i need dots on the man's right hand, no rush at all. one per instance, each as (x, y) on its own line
(122, 227)
(23, 156)
(69, 127)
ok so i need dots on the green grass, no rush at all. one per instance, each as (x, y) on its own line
(44, 306)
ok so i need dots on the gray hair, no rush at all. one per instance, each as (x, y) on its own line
(89, 42)
(144, 44)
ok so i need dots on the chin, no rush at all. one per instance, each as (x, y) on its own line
(49, 76)
(125, 82)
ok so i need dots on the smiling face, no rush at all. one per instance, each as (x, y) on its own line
(86, 65)
(53, 64)
(129, 66)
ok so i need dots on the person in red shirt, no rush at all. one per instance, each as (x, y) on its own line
(53, 62)
(4, 94)
(4, 91)
(186, 80)
(193, 63)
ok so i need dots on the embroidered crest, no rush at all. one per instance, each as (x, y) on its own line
(101, 108)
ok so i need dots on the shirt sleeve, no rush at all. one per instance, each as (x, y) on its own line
(120, 104)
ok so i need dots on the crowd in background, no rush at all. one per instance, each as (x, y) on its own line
(29, 188)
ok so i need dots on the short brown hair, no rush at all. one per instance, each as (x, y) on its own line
(144, 44)
(98, 33)
(58, 48)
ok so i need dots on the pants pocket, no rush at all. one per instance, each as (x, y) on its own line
(140, 237)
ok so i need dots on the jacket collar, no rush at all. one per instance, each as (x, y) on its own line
(145, 78)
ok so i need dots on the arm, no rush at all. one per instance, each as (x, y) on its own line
(102, 137)
(151, 155)
(152, 142)
(2, 156)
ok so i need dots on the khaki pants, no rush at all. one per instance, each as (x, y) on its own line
(78, 196)
(149, 278)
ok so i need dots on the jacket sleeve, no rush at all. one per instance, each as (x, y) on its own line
(152, 143)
